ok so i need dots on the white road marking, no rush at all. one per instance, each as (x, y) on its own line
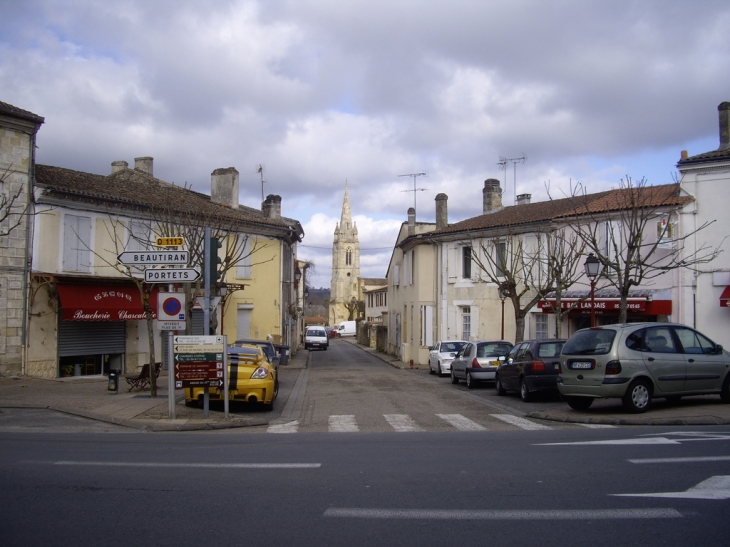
(289, 427)
(714, 488)
(597, 426)
(519, 422)
(649, 440)
(196, 465)
(462, 423)
(465, 514)
(683, 460)
(402, 422)
(344, 423)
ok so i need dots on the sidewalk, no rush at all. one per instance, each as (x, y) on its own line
(89, 397)
(690, 411)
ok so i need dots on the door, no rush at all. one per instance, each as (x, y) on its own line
(508, 370)
(706, 369)
(663, 360)
(243, 325)
(458, 365)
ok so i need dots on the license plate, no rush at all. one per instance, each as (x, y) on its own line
(581, 365)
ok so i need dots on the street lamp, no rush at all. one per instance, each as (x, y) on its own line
(593, 268)
(502, 297)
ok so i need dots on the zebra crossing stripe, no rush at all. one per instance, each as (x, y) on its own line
(402, 422)
(462, 423)
(344, 423)
(519, 422)
(290, 427)
(597, 426)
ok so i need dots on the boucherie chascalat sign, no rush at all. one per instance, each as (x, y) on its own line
(100, 303)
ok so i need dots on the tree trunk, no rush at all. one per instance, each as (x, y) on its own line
(519, 327)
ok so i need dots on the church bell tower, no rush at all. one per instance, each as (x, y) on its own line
(345, 283)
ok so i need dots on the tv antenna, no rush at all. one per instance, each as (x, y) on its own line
(414, 175)
(260, 170)
(503, 165)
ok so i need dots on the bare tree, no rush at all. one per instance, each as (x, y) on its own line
(632, 234)
(12, 210)
(355, 309)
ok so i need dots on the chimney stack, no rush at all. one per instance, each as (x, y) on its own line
(144, 164)
(492, 196)
(224, 187)
(523, 199)
(411, 221)
(683, 155)
(271, 207)
(442, 213)
(724, 111)
(119, 165)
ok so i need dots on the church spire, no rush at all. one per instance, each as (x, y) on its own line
(346, 218)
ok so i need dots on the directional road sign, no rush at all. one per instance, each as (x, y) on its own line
(181, 275)
(199, 360)
(142, 258)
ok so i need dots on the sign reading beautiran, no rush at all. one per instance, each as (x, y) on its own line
(103, 303)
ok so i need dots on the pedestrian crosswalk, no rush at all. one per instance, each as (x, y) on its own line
(403, 423)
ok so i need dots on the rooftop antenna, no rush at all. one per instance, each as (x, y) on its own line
(503, 165)
(414, 175)
(260, 170)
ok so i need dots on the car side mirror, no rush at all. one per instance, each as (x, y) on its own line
(509, 361)
(718, 348)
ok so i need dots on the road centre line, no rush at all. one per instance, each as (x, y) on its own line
(195, 465)
(519, 422)
(537, 514)
(682, 460)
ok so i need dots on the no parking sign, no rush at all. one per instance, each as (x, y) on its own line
(171, 306)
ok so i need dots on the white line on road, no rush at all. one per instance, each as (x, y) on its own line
(402, 422)
(597, 426)
(645, 440)
(714, 488)
(289, 427)
(462, 423)
(343, 423)
(519, 422)
(546, 514)
(683, 460)
(196, 465)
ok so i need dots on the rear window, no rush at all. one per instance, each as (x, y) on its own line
(493, 350)
(451, 347)
(551, 349)
(590, 342)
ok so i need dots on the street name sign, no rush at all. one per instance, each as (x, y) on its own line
(141, 258)
(180, 275)
(199, 360)
(170, 241)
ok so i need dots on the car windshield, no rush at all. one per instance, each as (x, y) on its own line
(316, 333)
(590, 342)
(490, 349)
(451, 347)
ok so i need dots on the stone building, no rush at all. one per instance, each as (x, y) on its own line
(345, 283)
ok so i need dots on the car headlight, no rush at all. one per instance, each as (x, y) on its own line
(259, 373)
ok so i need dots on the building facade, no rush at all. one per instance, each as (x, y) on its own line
(345, 287)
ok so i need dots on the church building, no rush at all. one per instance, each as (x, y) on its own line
(345, 284)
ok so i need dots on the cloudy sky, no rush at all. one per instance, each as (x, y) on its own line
(324, 93)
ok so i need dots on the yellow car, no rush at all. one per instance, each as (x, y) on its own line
(251, 378)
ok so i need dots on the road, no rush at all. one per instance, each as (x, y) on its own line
(369, 480)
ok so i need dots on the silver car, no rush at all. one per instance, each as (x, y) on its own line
(441, 355)
(638, 361)
(478, 361)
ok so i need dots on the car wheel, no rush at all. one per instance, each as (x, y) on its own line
(725, 393)
(525, 394)
(637, 398)
(471, 383)
(579, 403)
(454, 379)
(430, 370)
(439, 372)
(498, 386)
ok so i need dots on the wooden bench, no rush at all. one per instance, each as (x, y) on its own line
(142, 379)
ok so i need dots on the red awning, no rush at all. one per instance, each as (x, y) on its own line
(103, 302)
(725, 298)
(609, 306)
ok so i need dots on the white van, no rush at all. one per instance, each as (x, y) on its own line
(316, 337)
(347, 328)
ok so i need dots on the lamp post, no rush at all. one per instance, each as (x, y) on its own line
(593, 268)
(502, 297)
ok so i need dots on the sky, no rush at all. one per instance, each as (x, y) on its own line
(324, 94)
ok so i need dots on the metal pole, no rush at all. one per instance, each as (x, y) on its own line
(170, 375)
(593, 304)
(206, 309)
(502, 335)
(225, 376)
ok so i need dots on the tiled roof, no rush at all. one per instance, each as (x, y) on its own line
(6, 108)
(374, 281)
(706, 157)
(133, 189)
(588, 204)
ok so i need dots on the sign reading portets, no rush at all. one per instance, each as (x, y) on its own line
(179, 275)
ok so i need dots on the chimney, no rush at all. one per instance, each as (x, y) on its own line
(724, 111)
(523, 199)
(442, 213)
(224, 187)
(119, 165)
(271, 207)
(411, 221)
(143, 164)
(683, 155)
(492, 196)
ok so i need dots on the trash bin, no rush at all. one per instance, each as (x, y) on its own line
(283, 354)
(113, 380)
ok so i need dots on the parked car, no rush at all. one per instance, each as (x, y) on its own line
(640, 361)
(478, 361)
(316, 337)
(268, 347)
(441, 355)
(251, 378)
(532, 365)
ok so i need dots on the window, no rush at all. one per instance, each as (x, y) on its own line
(396, 275)
(694, 342)
(466, 262)
(541, 325)
(243, 267)
(348, 257)
(500, 258)
(659, 340)
(465, 323)
(610, 239)
(76, 244)
(139, 236)
(427, 325)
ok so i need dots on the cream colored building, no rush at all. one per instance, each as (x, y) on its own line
(345, 284)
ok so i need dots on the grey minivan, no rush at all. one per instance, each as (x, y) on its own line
(638, 361)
